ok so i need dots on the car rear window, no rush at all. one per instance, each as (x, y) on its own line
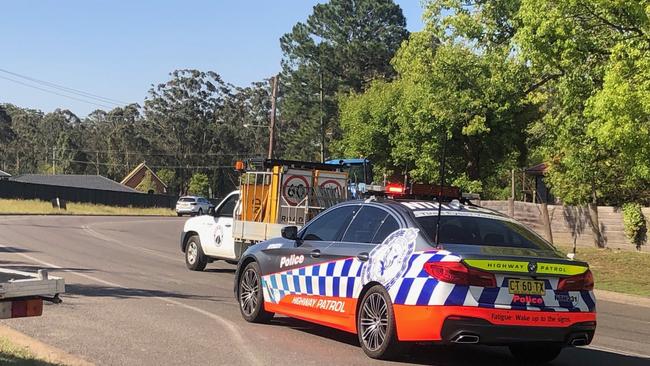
(186, 199)
(470, 230)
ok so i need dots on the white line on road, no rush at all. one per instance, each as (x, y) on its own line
(246, 351)
(103, 237)
(612, 350)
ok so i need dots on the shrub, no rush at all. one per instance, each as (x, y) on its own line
(634, 223)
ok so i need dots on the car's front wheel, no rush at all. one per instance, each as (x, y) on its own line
(194, 257)
(251, 298)
(535, 353)
(376, 325)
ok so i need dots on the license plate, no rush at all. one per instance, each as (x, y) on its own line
(526, 287)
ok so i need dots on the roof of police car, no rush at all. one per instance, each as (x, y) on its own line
(403, 206)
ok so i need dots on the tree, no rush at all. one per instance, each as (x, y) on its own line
(343, 46)
(166, 176)
(596, 52)
(199, 185)
(472, 93)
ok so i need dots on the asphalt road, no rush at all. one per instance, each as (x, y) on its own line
(131, 301)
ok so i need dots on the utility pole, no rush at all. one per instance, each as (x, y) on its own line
(274, 97)
(54, 161)
(97, 161)
(322, 125)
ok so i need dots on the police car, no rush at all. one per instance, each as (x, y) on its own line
(376, 268)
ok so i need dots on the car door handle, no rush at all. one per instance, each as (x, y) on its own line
(363, 256)
(315, 253)
(227, 225)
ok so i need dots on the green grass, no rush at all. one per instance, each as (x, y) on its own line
(12, 206)
(10, 354)
(617, 270)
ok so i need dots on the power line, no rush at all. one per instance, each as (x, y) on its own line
(53, 92)
(151, 154)
(67, 89)
(154, 166)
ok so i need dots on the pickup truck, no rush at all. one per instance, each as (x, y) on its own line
(22, 293)
(271, 195)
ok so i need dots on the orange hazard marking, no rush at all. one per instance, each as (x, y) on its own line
(335, 312)
(423, 323)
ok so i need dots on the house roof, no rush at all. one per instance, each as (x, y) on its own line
(4, 174)
(74, 180)
(539, 169)
(137, 169)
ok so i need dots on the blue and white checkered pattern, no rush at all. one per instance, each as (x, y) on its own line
(334, 279)
(343, 279)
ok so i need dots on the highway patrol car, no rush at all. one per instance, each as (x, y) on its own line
(373, 268)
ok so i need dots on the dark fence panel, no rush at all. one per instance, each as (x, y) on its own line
(12, 189)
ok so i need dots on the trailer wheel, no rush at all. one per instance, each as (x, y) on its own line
(194, 257)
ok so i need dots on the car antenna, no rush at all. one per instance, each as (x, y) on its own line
(442, 184)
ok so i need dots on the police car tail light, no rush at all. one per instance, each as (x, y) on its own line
(457, 273)
(581, 282)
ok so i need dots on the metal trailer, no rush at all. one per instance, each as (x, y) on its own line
(22, 293)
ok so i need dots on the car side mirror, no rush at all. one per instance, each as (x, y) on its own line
(211, 210)
(290, 232)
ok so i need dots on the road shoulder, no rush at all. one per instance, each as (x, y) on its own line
(42, 350)
(622, 298)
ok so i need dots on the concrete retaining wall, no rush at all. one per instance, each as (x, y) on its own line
(568, 222)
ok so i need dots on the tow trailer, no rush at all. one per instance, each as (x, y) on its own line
(22, 293)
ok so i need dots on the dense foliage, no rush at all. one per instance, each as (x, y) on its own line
(499, 84)
(634, 223)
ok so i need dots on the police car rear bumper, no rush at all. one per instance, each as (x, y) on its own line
(479, 331)
(442, 323)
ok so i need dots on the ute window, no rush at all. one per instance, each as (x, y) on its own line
(483, 231)
(228, 207)
(365, 225)
(331, 225)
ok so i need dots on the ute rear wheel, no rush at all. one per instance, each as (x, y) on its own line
(376, 325)
(251, 298)
(194, 257)
(535, 353)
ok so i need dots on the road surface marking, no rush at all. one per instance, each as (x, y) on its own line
(246, 351)
(103, 237)
(612, 350)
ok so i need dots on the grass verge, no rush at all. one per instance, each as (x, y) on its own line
(617, 270)
(36, 207)
(11, 354)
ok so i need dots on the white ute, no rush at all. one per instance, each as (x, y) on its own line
(276, 194)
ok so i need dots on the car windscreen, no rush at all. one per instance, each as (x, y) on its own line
(472, 230)
(186, 199)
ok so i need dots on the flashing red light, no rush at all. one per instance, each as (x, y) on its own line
(394, 188)
(457, 273)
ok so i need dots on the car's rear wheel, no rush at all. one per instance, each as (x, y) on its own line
(376, 325)
(194, 257)
(535, 353)
(251, 298)
(179, 214)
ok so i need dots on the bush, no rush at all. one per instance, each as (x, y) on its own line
(634, 223)
(199, 185)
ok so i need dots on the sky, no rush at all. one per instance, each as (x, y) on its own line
(116, 50)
